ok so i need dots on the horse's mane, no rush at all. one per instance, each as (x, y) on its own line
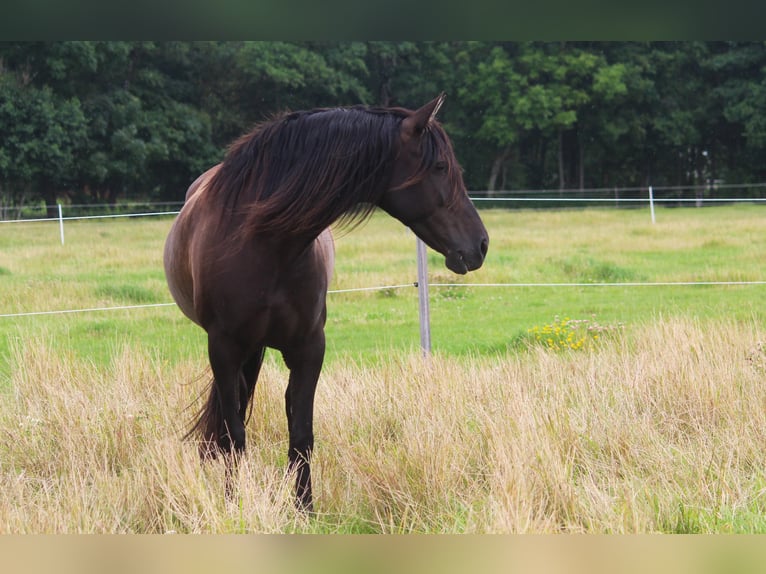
(301, 171)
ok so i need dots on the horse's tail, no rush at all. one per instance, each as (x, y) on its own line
(209, 425)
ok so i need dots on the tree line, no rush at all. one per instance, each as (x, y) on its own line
(89, 122)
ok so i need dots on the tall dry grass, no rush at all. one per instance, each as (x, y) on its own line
(661, 429)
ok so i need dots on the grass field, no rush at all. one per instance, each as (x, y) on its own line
(118, 262)
(654, 423)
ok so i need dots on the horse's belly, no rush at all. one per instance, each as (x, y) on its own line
(178, 273)
(274, 302)
(178, 251)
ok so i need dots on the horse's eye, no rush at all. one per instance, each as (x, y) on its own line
(440, 166)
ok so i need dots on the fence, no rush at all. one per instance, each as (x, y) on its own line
(651, 196)
(713, 193)
(41, 212)
(423, 286)
(61, 219)
(422, 283)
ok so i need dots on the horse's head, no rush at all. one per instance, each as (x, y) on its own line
(428, 195)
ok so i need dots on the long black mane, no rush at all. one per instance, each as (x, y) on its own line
(301, 171)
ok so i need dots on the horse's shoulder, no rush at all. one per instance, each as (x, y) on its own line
(326, 245)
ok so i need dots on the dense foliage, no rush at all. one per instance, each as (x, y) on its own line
(102, 121)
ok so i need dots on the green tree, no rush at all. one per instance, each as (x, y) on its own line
(737, 73)
(147, 134)
(522, 100)
(99, 121)
(42, 138)
(143, 132)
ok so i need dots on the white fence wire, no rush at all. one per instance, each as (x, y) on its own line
(415, 285)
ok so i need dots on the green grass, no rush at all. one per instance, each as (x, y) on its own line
(108, 263)
(722, 244)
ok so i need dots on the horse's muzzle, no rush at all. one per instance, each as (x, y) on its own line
(461, 262)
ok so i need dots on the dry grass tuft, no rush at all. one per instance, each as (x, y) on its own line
(661, 429)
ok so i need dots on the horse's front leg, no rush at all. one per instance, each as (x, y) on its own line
(305, 364)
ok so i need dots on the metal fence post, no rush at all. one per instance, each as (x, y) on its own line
(423, 308)
(61, 224)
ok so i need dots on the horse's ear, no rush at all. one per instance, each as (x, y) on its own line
(416, 123)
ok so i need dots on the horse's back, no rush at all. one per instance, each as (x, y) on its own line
(200, 184)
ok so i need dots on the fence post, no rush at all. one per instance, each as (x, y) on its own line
(423, 308)
(61, 224)
(651, 203)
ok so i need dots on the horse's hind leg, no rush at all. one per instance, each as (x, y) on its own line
(305, 364)
(224, 425)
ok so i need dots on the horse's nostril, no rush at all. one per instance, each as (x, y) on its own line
(484, 246)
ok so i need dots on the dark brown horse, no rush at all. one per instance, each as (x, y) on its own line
(250, 256)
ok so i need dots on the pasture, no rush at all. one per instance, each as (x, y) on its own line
(656, 425)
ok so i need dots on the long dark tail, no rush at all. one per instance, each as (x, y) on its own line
(209, 426)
